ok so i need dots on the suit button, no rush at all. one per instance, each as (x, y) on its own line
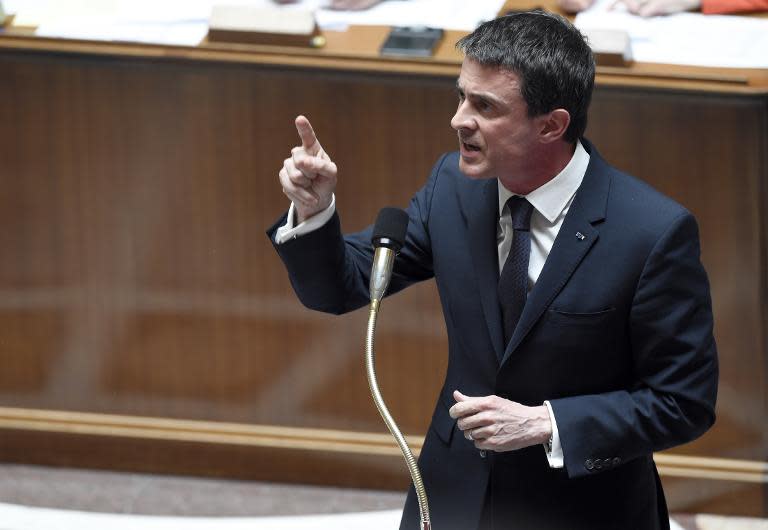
(616, 461)
(598, 463)
(589, 464)
(482, 453)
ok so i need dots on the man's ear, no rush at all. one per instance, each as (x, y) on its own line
(553, 125)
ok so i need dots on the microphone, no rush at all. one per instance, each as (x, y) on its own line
(388, 238)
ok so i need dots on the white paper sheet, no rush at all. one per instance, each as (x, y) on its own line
(446, 14)
(37, 12)
(180, 21)
(686, 38)
(12, 6)
(172, 22)
(183, 33)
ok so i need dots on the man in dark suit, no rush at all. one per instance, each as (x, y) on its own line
(577, 310)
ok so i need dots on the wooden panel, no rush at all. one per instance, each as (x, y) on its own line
(357, 50)
(136, 278)
(694, 484)
(205, 459)
(135, 203)
(709, 154)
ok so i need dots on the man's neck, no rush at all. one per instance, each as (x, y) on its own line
(544, 165)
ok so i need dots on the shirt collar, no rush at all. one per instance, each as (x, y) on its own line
(551, 198)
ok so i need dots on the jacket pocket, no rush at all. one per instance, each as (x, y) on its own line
(565, 317)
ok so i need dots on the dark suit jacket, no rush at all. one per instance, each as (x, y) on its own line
(617, 334)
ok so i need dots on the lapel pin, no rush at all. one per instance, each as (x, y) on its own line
(580, 236)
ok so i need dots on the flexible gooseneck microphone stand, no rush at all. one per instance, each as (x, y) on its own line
(388, 237)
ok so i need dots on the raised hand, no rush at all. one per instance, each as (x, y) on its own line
(353, 4)
(308, 176)
(651, 8)
(575, 6)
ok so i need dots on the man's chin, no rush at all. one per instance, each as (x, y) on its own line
(473, 170)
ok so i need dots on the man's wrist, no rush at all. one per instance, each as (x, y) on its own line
(544, 429)
(306, 214)
(293, 228)
(553, 447)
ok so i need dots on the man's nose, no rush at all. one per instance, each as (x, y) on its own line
(462, 119)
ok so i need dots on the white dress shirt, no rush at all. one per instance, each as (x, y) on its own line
(288, 231)
(550, 205)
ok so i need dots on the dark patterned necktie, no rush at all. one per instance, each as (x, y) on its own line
(513, 282)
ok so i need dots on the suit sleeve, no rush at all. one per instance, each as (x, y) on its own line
(330, 272)
(672, 400)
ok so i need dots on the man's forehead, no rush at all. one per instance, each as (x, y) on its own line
(477, 77)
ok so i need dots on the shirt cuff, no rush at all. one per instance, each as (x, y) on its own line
(553, 449)
(288, 231)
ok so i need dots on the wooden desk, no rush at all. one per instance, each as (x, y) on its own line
(146, 324)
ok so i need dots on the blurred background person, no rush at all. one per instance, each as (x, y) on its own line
(650, 8)
(352, 5)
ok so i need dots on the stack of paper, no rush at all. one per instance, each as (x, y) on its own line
(185, 22)
(686, 38)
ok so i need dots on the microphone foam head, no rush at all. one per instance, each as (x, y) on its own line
(390, 228)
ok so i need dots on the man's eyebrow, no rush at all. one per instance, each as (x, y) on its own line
(488, 96)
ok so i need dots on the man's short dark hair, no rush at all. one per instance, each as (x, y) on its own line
(550, 56)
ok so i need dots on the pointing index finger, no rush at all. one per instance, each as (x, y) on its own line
(307, 134)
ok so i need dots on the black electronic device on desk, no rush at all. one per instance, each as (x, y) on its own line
(411, 41)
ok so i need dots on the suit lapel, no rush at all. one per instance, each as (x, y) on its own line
(481, 206)
(577, 235)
